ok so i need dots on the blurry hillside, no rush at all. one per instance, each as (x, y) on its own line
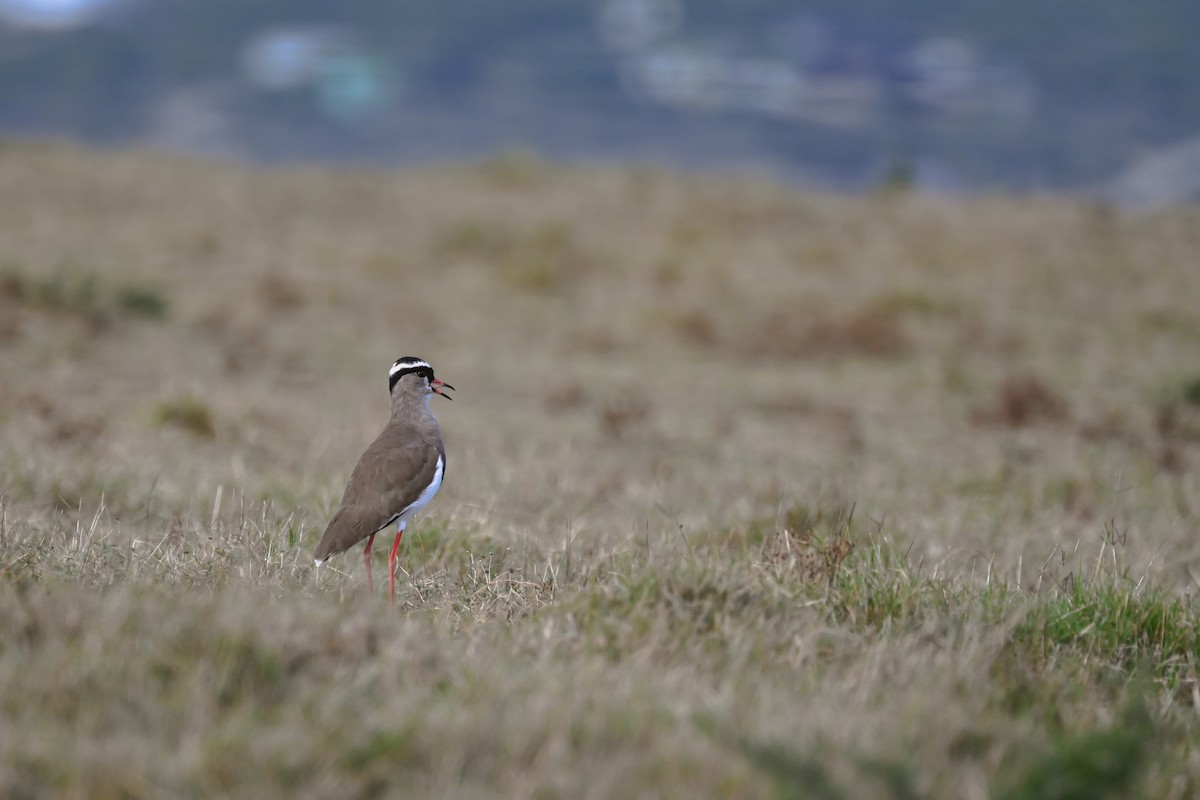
(1075, 95)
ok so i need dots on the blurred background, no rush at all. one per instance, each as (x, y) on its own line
(1092, 96)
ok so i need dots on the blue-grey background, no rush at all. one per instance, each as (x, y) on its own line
(1101, 96)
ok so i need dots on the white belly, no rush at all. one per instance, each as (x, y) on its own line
(425, 496)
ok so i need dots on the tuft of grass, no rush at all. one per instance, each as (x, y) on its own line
(189, 414)
(1117, 623)
(142, 301)
(812, 542)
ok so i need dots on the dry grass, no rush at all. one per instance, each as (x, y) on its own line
(751, 492)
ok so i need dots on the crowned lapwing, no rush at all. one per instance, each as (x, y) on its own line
(397, 475)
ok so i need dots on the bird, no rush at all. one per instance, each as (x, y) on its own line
(397, 475)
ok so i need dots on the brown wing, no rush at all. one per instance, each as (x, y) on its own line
(390, 475)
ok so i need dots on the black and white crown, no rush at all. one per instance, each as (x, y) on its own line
(406, 365)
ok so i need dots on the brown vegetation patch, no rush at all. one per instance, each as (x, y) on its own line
(279, 291)
(618, 417)
(10, 328)
(564, 397)
(812, 543)
(873, 331)
(1022, 400)
(697, 327)
(34, 402)
(87, 429)
(12, 287)
(1177, 424)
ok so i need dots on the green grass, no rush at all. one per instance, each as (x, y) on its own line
(751, 492)
(186, 413)
(72, 291)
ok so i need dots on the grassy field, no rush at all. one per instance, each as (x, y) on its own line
(750, 493)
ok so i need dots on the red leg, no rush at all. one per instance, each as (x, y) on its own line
(367, 561)
(392, 565)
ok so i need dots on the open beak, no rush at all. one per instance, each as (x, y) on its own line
(437, 385)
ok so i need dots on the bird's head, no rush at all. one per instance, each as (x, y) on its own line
(415, 376)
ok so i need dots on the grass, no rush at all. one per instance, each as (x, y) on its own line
(751, 492)
(73, 292)
(187, 413)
